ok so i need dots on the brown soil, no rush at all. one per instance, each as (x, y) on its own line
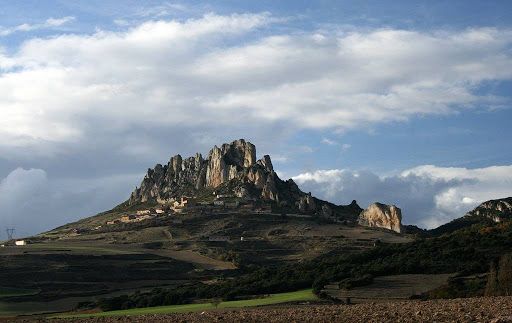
(485, 309)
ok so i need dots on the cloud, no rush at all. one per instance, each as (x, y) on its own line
(214, 71)
(31, 202)
(48, 23)
(329, 142)
(162, 10)
(428, 195)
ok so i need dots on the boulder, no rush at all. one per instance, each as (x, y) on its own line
(382, 216)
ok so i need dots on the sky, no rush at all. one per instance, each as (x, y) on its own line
(401, 102)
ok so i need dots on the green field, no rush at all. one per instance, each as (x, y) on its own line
(10, 292)
(303, 295)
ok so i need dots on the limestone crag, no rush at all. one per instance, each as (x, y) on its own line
(496, 210)
(232, 169)
(382, 216)
(235, 161)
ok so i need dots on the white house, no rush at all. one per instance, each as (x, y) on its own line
(20, 243)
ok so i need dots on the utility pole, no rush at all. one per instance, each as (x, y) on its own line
(10, 233)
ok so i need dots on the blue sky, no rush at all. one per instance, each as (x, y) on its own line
(404, 102)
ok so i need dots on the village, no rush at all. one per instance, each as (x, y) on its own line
(222, 203)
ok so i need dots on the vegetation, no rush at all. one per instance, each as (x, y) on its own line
(466, 251)
(303, 295)
(499, 280)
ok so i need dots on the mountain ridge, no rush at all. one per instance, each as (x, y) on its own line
(233, 170)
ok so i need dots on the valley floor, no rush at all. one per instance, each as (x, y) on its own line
(481, 309)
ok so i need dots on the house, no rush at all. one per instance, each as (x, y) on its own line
(184, 202)
(220, 196)
(128, 218)
(159, 211)
(188, 201)
(218, 203)
(20, 243)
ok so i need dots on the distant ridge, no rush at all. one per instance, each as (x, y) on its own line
(488, 212)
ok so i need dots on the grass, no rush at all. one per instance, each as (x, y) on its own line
(302, 295)
(10, 292)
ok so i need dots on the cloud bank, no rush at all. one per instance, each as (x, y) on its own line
(428, 195)
(216, 71)
(32, 202)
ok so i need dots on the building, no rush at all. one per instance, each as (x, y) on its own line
(143, 212)
(20, 243)
(128, 218)
(184, 202)
(159, 211)
(188, 201)
(220, 196)
(218, 203)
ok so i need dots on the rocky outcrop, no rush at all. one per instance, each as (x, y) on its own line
(496, 210)
(269, 190)
(232, 169)
(306, 204)
(382, 216)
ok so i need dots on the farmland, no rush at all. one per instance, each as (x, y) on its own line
(67, 268)
(304, 295)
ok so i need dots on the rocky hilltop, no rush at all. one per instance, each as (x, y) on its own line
(232, 170)
(382, 216)
(495, 210)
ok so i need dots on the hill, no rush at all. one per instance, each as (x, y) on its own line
(228, 227)
(487, 213)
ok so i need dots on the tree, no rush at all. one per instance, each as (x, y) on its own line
(491, 288)
(499, 279)
(505, 275)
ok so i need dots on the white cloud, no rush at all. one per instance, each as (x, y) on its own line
(329, 142)
(48, 23)
(428, 195)
(162, 10)
(346, 147)
(213, 71)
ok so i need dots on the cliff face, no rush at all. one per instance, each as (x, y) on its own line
(496, 210)
(231, 169)
(382, 216)
(235, 161)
